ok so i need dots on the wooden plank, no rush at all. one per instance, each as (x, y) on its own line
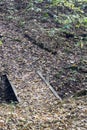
(51, 88)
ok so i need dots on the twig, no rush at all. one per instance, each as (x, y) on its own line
(51, 88)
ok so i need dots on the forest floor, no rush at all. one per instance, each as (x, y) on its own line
(28, 46)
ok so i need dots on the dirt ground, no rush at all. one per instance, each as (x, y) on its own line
(27, 48)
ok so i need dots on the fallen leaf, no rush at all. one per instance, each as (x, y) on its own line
(1, 43)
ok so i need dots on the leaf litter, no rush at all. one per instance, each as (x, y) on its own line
(38, 108)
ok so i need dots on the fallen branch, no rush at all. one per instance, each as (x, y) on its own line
(41, 45)
(51, 88)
